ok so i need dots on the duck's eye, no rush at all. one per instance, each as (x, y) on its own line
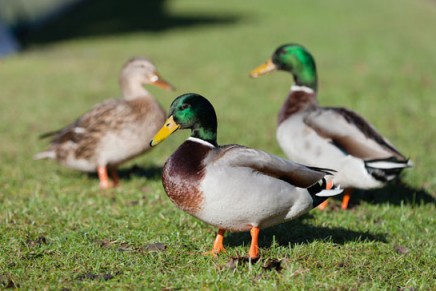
(184, 106)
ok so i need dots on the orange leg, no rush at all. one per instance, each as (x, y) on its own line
(323, 205)
(114, 176)
(346, 199)
(103, 177)
(254, 248)
(218, 244)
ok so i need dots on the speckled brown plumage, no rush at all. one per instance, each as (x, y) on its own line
(113, 131)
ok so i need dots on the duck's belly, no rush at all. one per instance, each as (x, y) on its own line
(236, 200)
(303, 145)
(116, 148)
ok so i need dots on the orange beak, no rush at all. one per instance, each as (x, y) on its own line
(266, 68)
(161, 83)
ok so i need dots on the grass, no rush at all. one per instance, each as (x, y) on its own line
(59, 231)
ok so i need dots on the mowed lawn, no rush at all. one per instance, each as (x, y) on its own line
(59, 231)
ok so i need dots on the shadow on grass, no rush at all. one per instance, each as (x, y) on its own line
(150, 173)
(94, 18)
(298, 232)
(395, 193)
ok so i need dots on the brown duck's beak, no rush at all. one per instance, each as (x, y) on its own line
(161, 83)
(266, 68)
(167, 129)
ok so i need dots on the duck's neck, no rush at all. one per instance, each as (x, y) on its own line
(304, 73)
(206, 129)
(300, 98)
(207, 134)
(132, 90)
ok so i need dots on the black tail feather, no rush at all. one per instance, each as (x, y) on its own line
(49, 134)
(315, 189)
(386, 174)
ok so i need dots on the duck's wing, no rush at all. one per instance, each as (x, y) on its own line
(271, 165)
(351, 133)
(101, 117)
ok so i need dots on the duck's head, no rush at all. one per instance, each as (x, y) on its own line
(138, 72)
(294, 59)
(191, 111)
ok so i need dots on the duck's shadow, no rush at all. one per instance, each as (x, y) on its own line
(297, 232)
(150, 173)
(111, 17)
(135, 171)
(395, 193)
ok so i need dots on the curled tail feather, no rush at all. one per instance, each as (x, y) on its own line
(323, 189)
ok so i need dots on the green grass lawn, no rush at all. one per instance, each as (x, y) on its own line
(59, 231)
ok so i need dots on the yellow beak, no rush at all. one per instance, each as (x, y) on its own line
(266, 68)
(169, 127)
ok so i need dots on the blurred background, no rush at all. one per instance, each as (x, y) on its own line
(28, 22)
(58, 58)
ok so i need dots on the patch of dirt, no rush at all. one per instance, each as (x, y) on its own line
(41, 240)
(91, 276)
(155, 247)
(272, 265)
(401, 250)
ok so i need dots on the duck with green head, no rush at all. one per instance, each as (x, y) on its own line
(233, 187)
(330, 137)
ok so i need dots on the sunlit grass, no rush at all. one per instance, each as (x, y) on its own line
(58, 230)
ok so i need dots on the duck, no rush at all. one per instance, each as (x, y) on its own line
(114, 131)
(233, 187)
(332, 137)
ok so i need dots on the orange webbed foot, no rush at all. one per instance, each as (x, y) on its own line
(218, 245)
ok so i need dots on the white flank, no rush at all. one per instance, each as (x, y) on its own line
(387, 165)
(331, 192)
(194, 139)
(302, 88)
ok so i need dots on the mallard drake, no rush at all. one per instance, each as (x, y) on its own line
(114, 131)
(233, 187)
(330, 137)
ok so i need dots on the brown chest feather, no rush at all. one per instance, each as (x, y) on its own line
(182, 175)
(297, 101)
